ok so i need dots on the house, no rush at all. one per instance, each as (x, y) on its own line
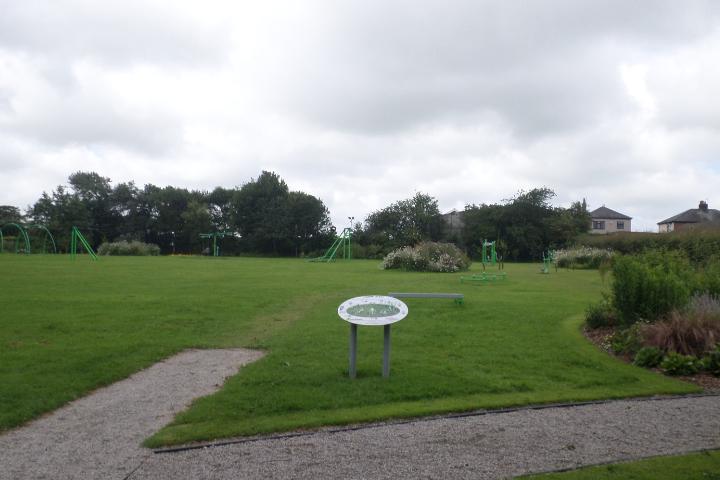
(690, 218)
(605, 220)
(454, 221)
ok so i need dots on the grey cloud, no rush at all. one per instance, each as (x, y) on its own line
(87, 122)
(115, 33)
(540, 67)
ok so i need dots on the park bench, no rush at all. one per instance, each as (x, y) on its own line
(458, 297)
(484, 277)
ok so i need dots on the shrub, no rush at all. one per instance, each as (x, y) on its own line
(600, 314)
(627, 340)
(693, 330)
(428, 257)
(133, 248)
(711, 362)
(709, 276)
(648, 357)
(650, 285)
(699, 245)
(677, 364)
(582, 257)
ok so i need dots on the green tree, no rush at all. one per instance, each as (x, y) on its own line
(260, 213)
(10, 214)
(309, 222)
(406, 222)
(196, 220)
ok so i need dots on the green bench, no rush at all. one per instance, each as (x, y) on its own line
(484, 277)
(458, 297)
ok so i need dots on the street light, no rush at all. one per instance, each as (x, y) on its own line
(348, 240)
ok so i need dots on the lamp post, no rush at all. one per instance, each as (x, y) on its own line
(349, 245)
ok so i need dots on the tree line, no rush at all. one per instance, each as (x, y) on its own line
(523, 226)
(264, 216)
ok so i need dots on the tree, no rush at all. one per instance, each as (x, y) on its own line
(260, 213)
(309, 222)
(196, 220)
(406, 222)
(10, 214)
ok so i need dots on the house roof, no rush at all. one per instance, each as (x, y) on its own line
(606, 213)
(695, 215)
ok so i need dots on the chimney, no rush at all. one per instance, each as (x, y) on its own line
(703, 206)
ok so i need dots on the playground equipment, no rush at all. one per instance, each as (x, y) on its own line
(343, 240)
(489, 255)
(547, 260)
(215, 236)
(484, 277)
(75, 235)
(46, 238)
(24, 236)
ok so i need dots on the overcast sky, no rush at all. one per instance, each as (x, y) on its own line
(363, 103)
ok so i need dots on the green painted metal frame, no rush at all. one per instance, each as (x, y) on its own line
(45, 238)
(75, 235)
(547, 260)
(215, 236)
(484, 277)
(490, 258)
(23, 234)
(343, 240)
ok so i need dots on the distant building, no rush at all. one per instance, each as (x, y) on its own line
(454, 221)
(605, 220)
(691, 218)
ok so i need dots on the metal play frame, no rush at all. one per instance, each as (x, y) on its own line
(343, 240)
(23, 235)
(76, 236)
(215, 236)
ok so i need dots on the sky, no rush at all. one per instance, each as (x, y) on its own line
(364, 103)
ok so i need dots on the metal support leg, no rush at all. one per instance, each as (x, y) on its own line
(353, 349)
(386, 351)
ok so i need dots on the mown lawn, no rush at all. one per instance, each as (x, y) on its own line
(696, 466)
(69, 327)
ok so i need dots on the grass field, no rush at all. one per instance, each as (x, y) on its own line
(69, 327)
(696, 466)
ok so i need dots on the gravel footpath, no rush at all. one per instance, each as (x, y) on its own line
(99, 436)
(492, 445)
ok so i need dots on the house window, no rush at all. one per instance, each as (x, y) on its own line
(598, 224)
(621, 225)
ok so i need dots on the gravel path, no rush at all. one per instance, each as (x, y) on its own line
(494, 445)
(99, 436)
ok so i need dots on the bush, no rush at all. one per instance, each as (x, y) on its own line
(693, 330)
(600, 314)
(650, 285)
(699, 244)
(133, 248)
(582, 257)
(677, 364)
(428, 257)
(648, 357)
(711, 362)
(372, 251)
(627, 340)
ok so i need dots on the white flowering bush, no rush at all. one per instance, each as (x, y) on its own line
(133, 248)
(428, 257)
(582, 257)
